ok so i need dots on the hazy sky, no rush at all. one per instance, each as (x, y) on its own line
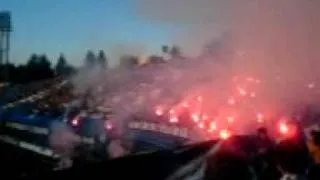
(73, 27)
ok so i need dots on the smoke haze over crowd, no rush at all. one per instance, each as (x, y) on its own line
(273, 42)
(273, 37)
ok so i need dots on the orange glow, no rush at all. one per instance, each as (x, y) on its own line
(225, 134)
(213, 126)
(260, 120)
(231, 101)
(284, 129)
(195, 117)
(260, 117)
(287, 129)
(201, 125)
(159, 111)
(242, 92)
(174, 119)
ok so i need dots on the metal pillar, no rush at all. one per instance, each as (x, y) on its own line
(4, 53)
(5, 30)
(7, 47)
(1, 48)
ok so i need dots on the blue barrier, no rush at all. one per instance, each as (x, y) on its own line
(28, 119)
(157, 139)
(89, 128)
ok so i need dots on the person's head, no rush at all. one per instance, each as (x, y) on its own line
(221, 170)
(315, 135)
(291, 158)
(262, 133)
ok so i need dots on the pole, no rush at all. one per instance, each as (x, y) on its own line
(1, 47)
(8, 47)
(2, 70)
(7, 50)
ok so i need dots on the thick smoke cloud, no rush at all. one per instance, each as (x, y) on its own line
(268, 37)
(252, 22)
(274, 42)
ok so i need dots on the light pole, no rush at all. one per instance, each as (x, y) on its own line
(5, 30)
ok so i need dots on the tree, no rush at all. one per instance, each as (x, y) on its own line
(33, 60)
(165, 49)
(38, 67)
(44, 62)
(21, 74)
(90, 59)
(102, 60)
(44, 68)
(61, 65)
(7, 71)
(218, 45)
(212, 47)
(155, 59)
(175, 51)
(128, 61)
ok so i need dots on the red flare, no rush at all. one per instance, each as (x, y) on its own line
(174, 119)
(242, 92)
(225, 134)
(260, 118)
(213, 126)
(201, 125)
(75, 121)
(231, 101)
(108, 125)
(159, 111)
(195, 117)
(283, 128)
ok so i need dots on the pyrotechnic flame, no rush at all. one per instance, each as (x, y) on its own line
(201, 125)
(195, 117)
(242, 91)
(174, 119)
(231, 101)
(213, 125)
(159, 111)
(75, 121)
(225, 134)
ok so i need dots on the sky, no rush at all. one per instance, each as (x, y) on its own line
(73, 27)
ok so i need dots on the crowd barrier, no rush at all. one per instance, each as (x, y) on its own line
(30, 133)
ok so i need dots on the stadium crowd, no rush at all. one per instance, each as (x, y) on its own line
(297, 157)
